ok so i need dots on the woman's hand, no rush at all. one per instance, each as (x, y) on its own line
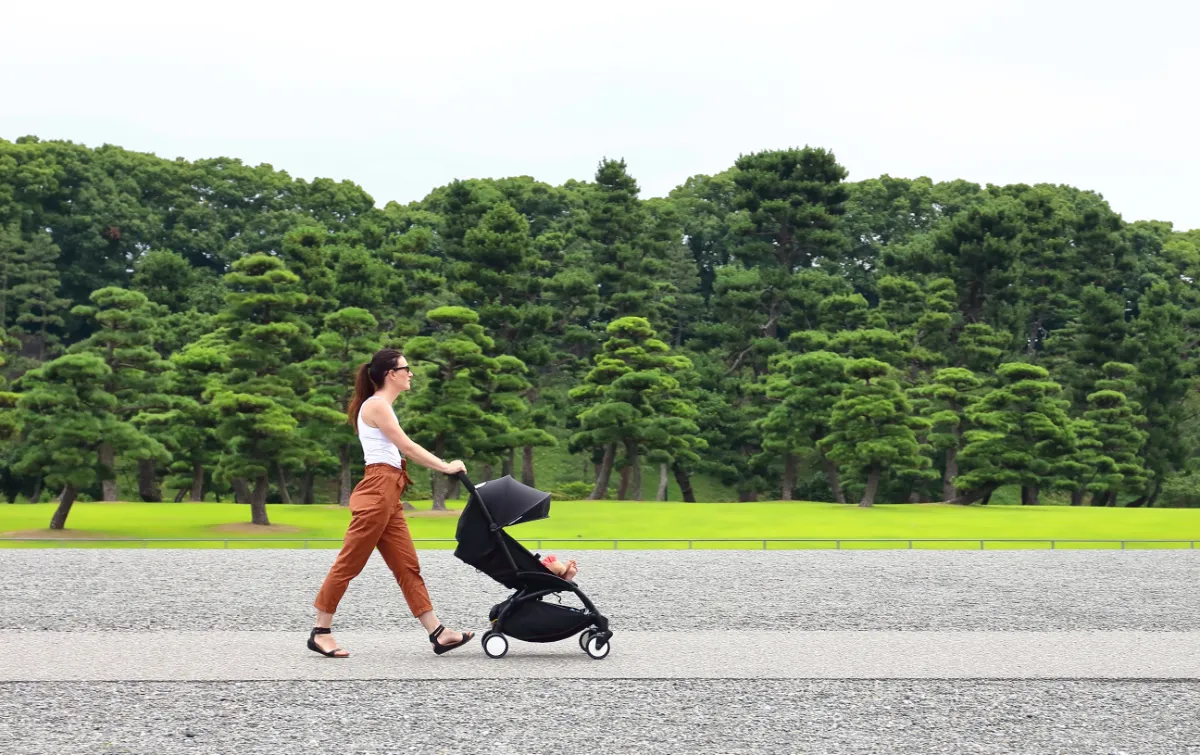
(455, 467)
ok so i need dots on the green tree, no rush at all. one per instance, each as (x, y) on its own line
(1114, 465)
(31, 311)
(874, 427)
(257, 403)
(122, 338)
(633, 402)
(67, 415)
(443, 413)
(950, 394)
(349, 338)
(806, 387)
(1023, 437)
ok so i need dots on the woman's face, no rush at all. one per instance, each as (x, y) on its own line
(402, 374)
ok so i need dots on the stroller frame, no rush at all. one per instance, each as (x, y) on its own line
(593, 629)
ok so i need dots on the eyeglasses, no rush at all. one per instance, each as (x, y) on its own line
(404, 367)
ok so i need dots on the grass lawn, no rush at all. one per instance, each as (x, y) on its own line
(575, 521)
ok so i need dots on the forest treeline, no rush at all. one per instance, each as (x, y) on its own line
(776, 327)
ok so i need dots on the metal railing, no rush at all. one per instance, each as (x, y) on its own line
(759, 543)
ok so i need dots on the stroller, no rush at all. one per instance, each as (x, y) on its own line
(483, 543)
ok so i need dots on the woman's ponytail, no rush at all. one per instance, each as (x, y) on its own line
(367, 380)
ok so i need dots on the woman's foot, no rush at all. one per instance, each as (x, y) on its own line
(321, 641)
(445, 640)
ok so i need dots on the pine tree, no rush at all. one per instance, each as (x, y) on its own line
(123, 338)
(1023, 437)
(259, 400)
(873, 427)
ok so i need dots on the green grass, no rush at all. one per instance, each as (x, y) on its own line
(572, 522)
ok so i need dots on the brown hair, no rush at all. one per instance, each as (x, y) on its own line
(368, 379)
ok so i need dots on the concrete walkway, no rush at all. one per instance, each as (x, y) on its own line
(268, 655)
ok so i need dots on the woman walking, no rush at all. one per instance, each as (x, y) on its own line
(376, 513)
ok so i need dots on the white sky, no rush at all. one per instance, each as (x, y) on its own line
(401, 97)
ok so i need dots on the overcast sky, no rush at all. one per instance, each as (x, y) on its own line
(401, 97)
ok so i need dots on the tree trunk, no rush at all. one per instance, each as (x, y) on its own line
(197, 491)
(623, 487)
(664, 481)
(868, 498)
(180, 495)
(452, 488)
(438, 482)
(527, 466)
(972, 497)
(148, 487)
(1154, 495)
(285, 495)
(108, 486)
(987, 498)
(685, 483)
(831, 474)
(790, 463)
(635, 474)
(948, 490)
(747, 496)
(600, 489)
(506, 463)
(37, 489)
(344, 478)
(487, 471)
(306, 487)
(1029, 495)
(241, 491)
(1077, 497)
(59, 520)
(258, 501)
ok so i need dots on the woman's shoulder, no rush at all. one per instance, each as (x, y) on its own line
(371, 408)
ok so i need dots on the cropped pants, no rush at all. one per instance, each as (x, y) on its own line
(377, 521)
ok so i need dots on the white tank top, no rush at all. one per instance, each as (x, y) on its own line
(377, 448)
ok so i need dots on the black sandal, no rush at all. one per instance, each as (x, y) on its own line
(439, 648)
(312, 644)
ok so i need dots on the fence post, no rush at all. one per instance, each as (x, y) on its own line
(614, 544)
(764, 544)
(226, 545)
(837, 545)
(1122, 545)
(910, 545)
(980, 545)
(690, 545)
(1051, 545)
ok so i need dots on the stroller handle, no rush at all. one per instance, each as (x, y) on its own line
(462, 477)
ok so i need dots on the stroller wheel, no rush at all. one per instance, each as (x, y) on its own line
(595, 650)
(495, 645)
(584, 636)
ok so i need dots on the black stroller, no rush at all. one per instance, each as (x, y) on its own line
(483, 543)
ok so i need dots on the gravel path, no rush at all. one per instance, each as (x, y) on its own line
(272, 590)
(608, 716)
(646, 590)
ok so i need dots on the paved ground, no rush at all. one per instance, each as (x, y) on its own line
(715, 652)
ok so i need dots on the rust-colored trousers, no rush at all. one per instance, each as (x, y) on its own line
(377, 521)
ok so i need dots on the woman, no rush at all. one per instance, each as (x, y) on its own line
(376, 514)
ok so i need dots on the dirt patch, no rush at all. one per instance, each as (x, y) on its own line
(431, 513)
(48, 534)
(245, 528)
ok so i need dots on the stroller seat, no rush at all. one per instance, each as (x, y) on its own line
(483, 543)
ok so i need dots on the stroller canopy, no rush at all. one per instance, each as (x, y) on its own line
(503, 502)
(511, 502)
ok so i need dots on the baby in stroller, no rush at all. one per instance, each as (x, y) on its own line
(565, 569)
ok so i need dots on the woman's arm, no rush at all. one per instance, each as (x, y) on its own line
(373, 413)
